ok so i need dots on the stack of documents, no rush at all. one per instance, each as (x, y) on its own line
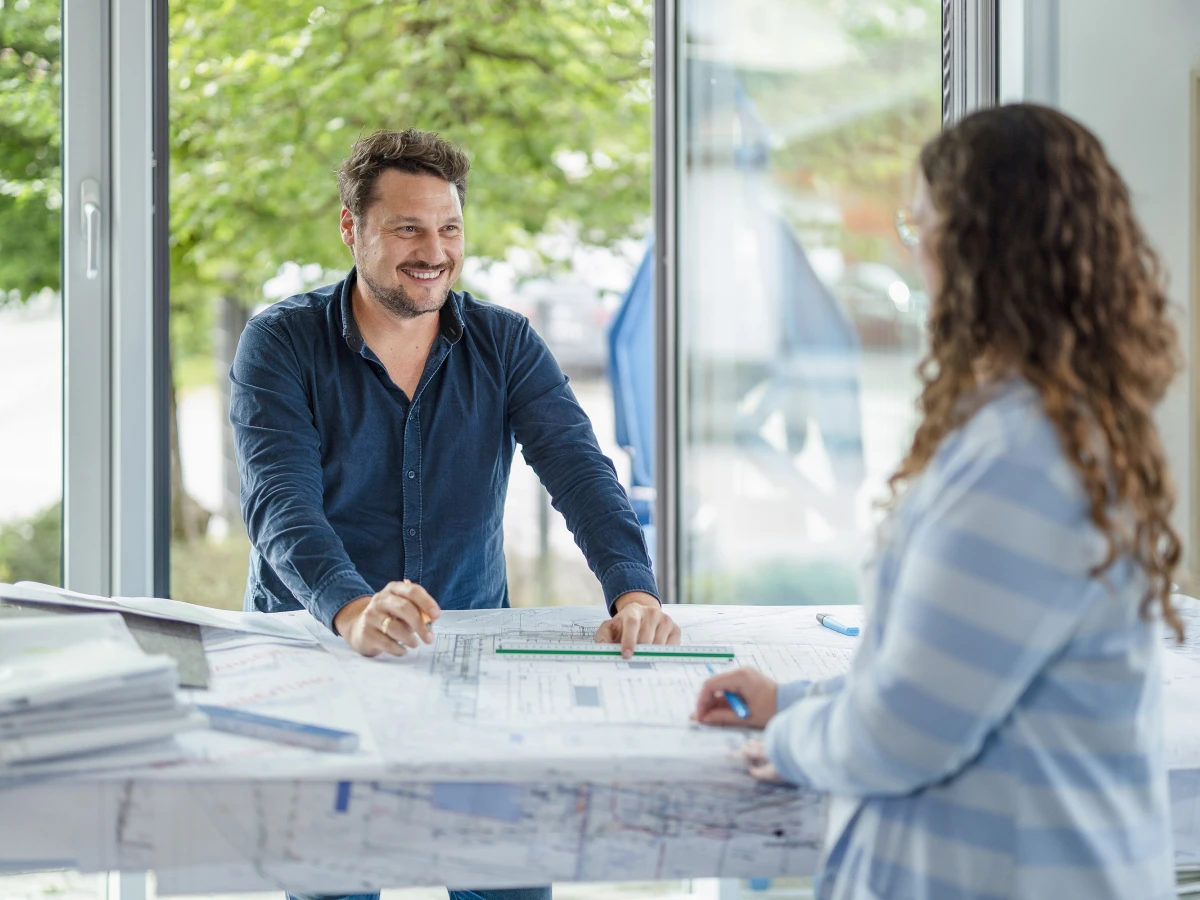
(74, 689)
(1187, 880)
(274, 625)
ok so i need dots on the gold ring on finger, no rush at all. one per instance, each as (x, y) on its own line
(387, 621)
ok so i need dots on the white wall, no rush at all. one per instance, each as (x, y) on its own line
(1124, 70)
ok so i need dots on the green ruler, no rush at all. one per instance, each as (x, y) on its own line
(586, 649)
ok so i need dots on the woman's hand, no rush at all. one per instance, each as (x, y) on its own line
(757, 763)
(756, 690)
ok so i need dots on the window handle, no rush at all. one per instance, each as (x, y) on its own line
(90, 205)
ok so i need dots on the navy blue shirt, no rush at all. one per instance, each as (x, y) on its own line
(348, 484)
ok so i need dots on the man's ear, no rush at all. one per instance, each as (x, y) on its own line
(348, 228)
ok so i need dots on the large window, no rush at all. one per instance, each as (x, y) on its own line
(31, 326)
(552, 104)
(800, 313)
(31, 332)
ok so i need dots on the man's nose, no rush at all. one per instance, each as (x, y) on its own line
(430, 250)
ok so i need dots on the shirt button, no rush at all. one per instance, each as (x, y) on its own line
(412, 473)
(412, 532)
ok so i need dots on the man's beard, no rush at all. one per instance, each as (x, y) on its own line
(397, 301)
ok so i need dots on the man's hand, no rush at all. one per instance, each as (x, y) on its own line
(757, 691)
(639, 619)
(395, 619)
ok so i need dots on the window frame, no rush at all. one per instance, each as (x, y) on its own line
(970, 80)
(115, 524)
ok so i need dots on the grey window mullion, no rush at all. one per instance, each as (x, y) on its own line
(970, 57)
(86, 319)
(667, 126)
(133, 333)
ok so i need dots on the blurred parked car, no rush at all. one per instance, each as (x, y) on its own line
(886, 312)
(572, 317)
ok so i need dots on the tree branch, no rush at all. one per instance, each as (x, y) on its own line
(509, 56)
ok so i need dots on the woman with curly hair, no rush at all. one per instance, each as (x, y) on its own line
(1000, 732)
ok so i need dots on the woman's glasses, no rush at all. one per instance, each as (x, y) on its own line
(906, 228)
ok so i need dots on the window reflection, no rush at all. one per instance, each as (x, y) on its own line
(552, 104)
(801, 312)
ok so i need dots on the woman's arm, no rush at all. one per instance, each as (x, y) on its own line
(993, 580)
(792, 691)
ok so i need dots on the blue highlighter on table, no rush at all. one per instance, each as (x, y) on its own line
(736, 703)
(834, 625)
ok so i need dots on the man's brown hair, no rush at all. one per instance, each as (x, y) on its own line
(412, 151)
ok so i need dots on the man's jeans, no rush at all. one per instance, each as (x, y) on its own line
(537, 893)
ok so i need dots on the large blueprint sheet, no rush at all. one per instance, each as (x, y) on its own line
(456, 710)
(480, 771)
(475, 769)
(349, 836)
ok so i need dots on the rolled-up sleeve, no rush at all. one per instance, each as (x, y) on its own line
(557, 440)
(279, 460)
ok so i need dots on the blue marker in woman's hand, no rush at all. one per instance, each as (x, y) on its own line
(736, 703)
(834, 625)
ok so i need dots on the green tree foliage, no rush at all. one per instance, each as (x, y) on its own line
(30, 549)
(550, 99)
(858, 126)
(268, 95)
(30, 171)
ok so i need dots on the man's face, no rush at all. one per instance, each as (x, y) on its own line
(408, 244)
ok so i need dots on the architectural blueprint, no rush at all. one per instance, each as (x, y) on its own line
(458, 704)
(457, 710)
(478, 770)
(473, 768)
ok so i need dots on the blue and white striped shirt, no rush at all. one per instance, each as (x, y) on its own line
(1000, 732)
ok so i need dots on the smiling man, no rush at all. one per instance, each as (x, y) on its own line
(375, 422)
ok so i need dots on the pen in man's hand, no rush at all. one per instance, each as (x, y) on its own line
(424, 615)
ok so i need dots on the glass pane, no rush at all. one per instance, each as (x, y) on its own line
(572, 308)
(800, 309)
(265, 102)
(31, 336)
(31, 332)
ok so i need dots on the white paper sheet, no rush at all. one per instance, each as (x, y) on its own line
(278, 626)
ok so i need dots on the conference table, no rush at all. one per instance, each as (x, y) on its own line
(476, 766)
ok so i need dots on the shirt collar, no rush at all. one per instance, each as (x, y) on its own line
(350, 330)
(451, 325)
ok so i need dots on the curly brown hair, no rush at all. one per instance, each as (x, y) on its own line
(1047, 274)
